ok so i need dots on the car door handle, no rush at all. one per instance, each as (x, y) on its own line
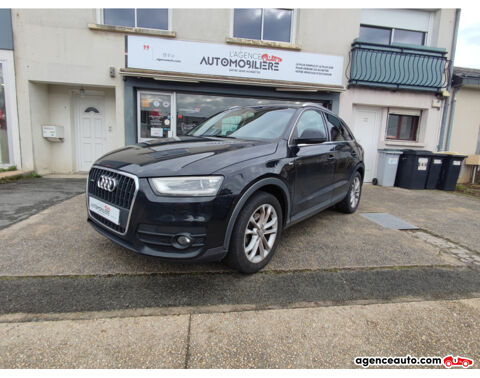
(331, 157)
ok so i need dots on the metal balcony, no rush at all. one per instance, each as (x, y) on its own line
(397, 66)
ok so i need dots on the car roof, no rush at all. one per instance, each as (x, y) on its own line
(293, 106)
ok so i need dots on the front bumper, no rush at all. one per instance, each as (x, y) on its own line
(151, 225)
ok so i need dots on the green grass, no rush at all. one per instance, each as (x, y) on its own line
(9, 169)
(468, 189)
(19, 177)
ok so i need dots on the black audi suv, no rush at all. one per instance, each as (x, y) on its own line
(228, 189)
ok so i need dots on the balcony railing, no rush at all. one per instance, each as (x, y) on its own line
(397, 66)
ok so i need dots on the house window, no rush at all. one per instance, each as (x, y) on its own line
(387, 36)
(263, 24)
(402, 127)
(140, 18)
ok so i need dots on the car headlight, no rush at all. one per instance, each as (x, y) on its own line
(187, 186)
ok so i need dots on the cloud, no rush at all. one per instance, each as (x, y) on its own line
(471, 34)
(468, 43)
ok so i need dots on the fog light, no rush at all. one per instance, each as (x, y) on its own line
(184, 240)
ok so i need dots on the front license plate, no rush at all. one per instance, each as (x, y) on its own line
(105, 210)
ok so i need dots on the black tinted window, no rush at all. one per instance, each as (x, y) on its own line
(335, 127)
(310, 120)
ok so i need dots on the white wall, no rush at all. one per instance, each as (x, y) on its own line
(430, 120)
(56, 53)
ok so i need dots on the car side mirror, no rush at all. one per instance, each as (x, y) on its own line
(311, 136)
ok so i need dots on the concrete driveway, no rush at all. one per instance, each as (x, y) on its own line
(58, 241)
(23, 198)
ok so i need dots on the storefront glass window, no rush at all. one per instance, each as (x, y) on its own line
(155, 115)
(163, 115)
(4, 155)
(193, 109)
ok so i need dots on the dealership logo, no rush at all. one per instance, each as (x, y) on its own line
(244, 60)
(271, 58)
(449, 361)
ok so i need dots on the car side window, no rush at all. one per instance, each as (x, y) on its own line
(348, 132)
(311, 120)
(337, 132)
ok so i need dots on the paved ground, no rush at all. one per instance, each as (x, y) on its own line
(58, 241)
(23, 198)
(339, 286)
(319, 337)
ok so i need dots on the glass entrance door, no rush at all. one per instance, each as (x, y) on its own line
(155, 118)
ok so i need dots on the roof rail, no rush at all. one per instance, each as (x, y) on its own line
(312, 104)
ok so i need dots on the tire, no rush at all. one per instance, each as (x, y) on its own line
(248, 252)
(348, 205)
(374, 181)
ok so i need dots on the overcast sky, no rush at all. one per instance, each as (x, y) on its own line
(468, 43)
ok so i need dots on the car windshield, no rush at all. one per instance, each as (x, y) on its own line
(246, 123)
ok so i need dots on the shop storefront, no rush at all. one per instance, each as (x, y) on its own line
(172, 86)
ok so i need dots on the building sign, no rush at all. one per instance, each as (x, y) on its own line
(158, 54)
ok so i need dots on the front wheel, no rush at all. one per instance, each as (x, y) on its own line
(256, 234)
(350, 203)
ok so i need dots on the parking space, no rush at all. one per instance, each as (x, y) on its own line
(58, 240)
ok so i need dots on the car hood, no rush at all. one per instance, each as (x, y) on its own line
(184, 156)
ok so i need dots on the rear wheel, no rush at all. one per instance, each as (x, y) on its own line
(350, 203)
(256, 234)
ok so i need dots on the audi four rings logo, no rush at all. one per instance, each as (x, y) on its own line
(107, 183)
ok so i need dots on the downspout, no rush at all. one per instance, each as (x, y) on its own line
(449, 81)
(450, 118)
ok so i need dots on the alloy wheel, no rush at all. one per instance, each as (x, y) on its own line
(260, 233)
(355, 192)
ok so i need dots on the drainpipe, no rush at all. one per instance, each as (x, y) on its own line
(450, 118)
(449, 81)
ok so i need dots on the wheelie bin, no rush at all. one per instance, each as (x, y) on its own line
(412, 169)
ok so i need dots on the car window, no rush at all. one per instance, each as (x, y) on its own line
(337, 132)
(310, 119)
(247, 123)
(348, 132)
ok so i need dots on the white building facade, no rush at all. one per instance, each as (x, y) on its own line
(104, 78)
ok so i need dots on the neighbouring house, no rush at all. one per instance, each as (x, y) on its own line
(464, 128)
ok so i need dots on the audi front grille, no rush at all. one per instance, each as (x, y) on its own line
(123, 194)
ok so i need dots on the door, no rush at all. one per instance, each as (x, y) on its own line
(155, 115)
(90, 130)
(314, 167)
(366, 130)
(344, 155)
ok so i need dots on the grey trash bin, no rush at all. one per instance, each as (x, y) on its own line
(387, 166)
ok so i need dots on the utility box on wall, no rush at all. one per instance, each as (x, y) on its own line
(53, 133)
